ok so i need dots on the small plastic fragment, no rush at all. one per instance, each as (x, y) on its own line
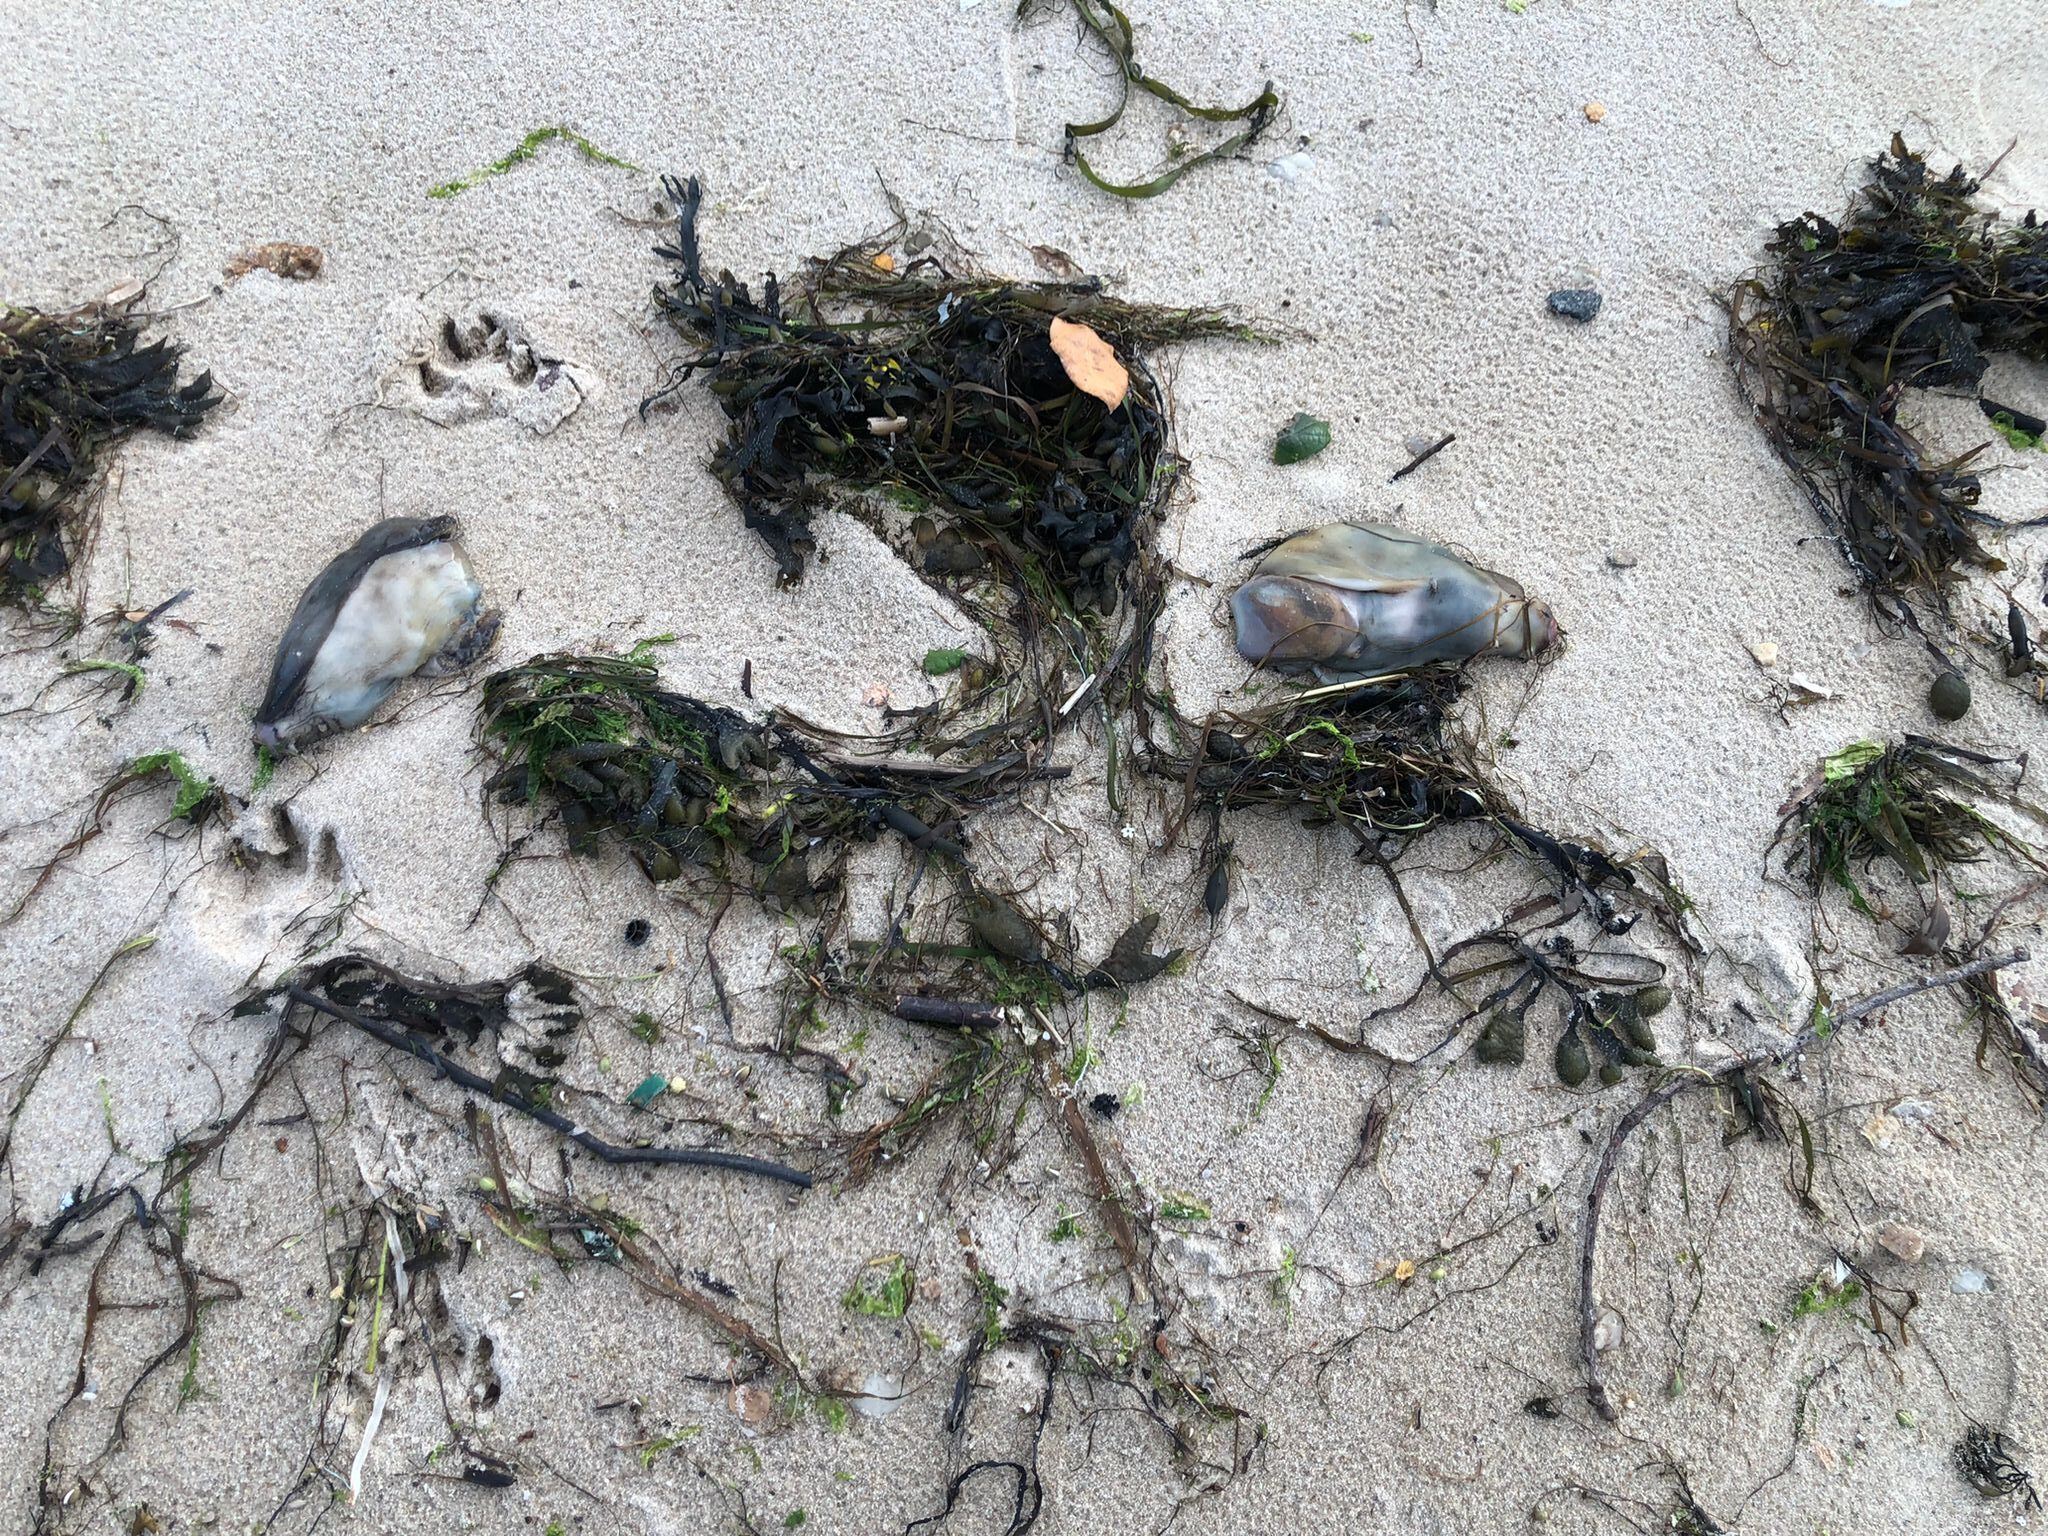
(1302, 438)
(652, 1087)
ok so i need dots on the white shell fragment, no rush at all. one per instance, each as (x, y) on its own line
(879, 1396)
(1362, 598)
(402, 599)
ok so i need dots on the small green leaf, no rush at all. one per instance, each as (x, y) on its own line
(1183, 1208)
(1303, 438)
(652, 1087)
(793, 1519)
(1908, 1419)
(882, 1288)
(1846, 763)
(644, 646)
(194, 788)
(2020, 438)
(944, 659)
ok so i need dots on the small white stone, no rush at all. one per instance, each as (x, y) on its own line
(1968, 1280)
(1608, 1331)
(1765, 652)
(1293, 167)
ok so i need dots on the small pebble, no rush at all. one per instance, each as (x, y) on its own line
(1902, 1241)
(1607, 1331)
(1949, 696)
(1580, 304)
(1595, 111)
(1765, 652)
(1622, 559)
(1969, 1281)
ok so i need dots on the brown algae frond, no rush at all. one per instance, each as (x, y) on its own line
(1916, 288)
(73, 385)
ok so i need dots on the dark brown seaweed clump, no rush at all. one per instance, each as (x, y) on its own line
(758, 807)
(938, 385)
(682, 783)
(71, 386)
(1916, 287)
(1379, 759)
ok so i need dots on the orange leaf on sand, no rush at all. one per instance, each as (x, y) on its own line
(1090, 362)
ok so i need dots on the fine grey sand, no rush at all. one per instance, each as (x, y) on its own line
(1433, 176)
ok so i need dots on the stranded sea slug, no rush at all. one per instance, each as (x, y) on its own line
(1356, 599)
(401, 599)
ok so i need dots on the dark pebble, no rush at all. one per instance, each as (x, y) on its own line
(1580, 304)
(1949, 696)
(638, 931)
(1105, 1104)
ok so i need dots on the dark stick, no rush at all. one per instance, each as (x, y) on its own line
(948, 1012)
(1425, 456)
(1589, 1238)
(405, 1040)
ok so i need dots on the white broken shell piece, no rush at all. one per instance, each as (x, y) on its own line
(879, 1395)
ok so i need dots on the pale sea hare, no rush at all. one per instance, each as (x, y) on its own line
(1359, 599)
(401, 600)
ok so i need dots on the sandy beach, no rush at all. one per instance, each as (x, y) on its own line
(1399, 1335)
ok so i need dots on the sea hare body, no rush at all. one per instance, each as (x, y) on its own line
(402, 599)
(1357, 599)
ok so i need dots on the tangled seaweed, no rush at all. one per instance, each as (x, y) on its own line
(427, 1019)
(1902, 803)
(1112, 29)
(681, 783)
(927, 399)
(936, 384)
(72, 385)
(1916, 287)
(1983, 1457)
